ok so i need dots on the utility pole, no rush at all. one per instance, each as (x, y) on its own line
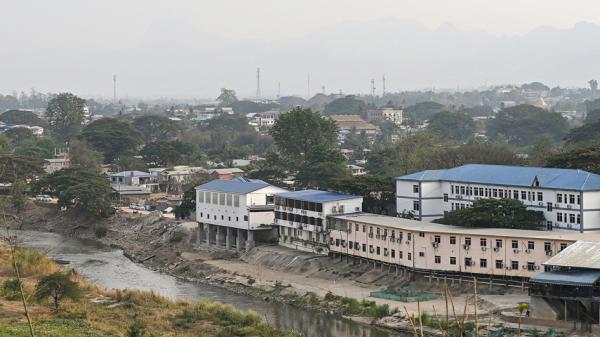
(383, 85)
(373, 87)
(258, 83)
(323, 89)
(278, 90)
(115, 89)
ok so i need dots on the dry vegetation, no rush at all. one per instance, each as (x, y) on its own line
(116, 312)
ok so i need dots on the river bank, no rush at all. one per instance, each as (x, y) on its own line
(270, 273)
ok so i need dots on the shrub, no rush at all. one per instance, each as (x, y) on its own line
(177, 236)
(251, 281)
(57, 286)
(137, 329)
(10, 289)
(100, 230)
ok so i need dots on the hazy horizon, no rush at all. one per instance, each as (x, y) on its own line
(178, 49)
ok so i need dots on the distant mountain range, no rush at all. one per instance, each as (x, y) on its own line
(175, 59)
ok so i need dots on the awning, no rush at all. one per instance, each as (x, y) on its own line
(575, 278)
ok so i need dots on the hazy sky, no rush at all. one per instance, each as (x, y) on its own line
(29, 26)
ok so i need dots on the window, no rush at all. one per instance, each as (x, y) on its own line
(530, 266)
(409, 236)
(453, 240)
(578, 199)
(515, 194)
(462, 190)
(530, 245)
(409, 256)
(523, 195)
(483, 263)
(549, 225)
(399, 254)
(571, 198)
(378, 250)
(549, 207)
(483, 242)
(438, 259)
(547, 247)
(578, 219)
(468, 261)
(452, 189)
(364, 247)
(238, 218)
(356, 227)
(514, 265)
(445, 197)
(350, 244)
(476, 192)
(559, 217)
(421, 254)
(245, 218)
(337, 242)
(416, 205)
(495, 192)
(540, 196)
(498, 243)
(452, 260)
(222, 217)
(563, 246)
(467, 241)
(415, 188)
(385, 252)
(437, 239)
(559, 198)
(572, 218)
(499, 264)
(364, 229)
(422, 234)
(393, 254)
(514, 244)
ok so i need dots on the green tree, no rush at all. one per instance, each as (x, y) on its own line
(227, 97)
(112, 137)
(543, 146)
(4, 144)
(244, 107)
(79, 189)
(168, 153)
(495, 213)
(19, 134)
(155, 128)
(20, 117)
(592, 116)
(583, 158)
(424, 110)
(41, 148)
(586, 134)
(378, 192)
(523, 123)
(57, 286)
(307, 144)
(15, 168)
(83, 155)
(19, 196)
(129, 163)
(188, 204)
(456, 125)
(65, 114)
(349, 105)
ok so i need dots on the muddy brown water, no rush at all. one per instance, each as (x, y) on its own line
(109, 268)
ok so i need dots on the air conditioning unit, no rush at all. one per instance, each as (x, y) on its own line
(483, 249)
(385, 253)
(549, 252)
(435, 244)
(371, 235)
(569, 225)
(408, 242)
(377, 236)
(524, 266)
(527, 251)
(541, 204)
(536, 267)
(384, 237)
(496, 249)
(371, 250)
(392, 239)
(569, 206)
(516, 251)
(466, 246)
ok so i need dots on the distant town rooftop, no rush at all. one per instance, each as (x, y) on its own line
(130, 174)
(429, 227)
(236, 185)
(550, 178)
(317, 196)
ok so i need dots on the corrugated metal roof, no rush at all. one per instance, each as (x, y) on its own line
(317, 196)
(553, 178)
(581, 254)
(234, 186)
(130, 173)
(430, 227)
(575, 278)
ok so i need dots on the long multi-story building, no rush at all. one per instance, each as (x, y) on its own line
(569, 199)
(230, 212)
(302, 215)
(430, 247)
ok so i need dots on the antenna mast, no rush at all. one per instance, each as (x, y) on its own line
(383, 85)
(115, 89)
(373, 87)
(278, 90)
(258, 83)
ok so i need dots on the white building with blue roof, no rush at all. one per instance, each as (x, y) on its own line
(302, 217)
(569, 198)
(235, 213)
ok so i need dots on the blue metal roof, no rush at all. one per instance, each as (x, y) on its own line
(576, 278)
(317, 196)
(551, 178)
(237, 185)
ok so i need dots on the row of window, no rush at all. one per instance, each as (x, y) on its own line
(237, 219)
(483, 242)
(299, 204)
(568, 217)
(496, 193)
(309, 220)
(219, 198)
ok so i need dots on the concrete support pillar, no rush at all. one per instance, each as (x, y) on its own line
(210, 235)
(199, 232)
(250, 243)
(228, 238)
(220, 236)
(239, 240)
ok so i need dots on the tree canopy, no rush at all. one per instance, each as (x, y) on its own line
(244, 107)
(168, 153)
(15, 167)
(456, 125)
(57, 286)
(349, 105)
(227, 97)
(19, 134)
(424, 110)
(495, 213)
(155, 128)
(586, 134)
(523, 123)
(584, 158)
(65, 114)
(112, 137)
(22, 117)
(79, 189)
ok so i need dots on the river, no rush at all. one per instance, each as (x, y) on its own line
(109, 268)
